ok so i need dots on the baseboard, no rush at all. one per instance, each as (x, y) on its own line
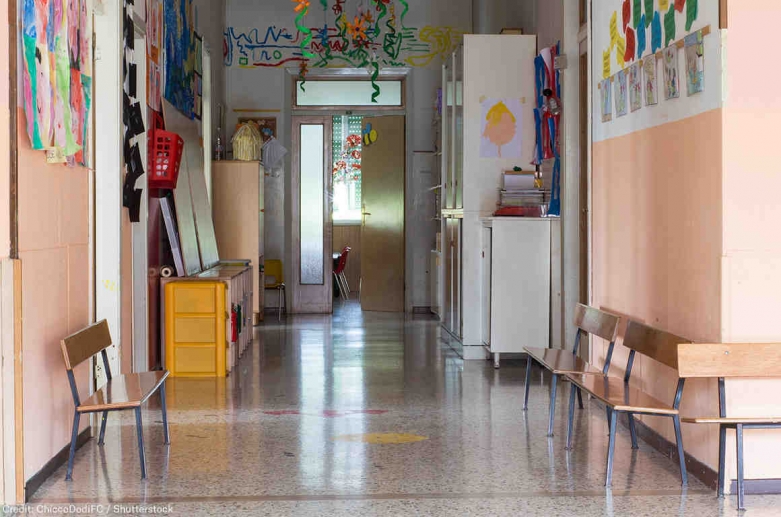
(59, 459)
(694, 467)
(757, 486)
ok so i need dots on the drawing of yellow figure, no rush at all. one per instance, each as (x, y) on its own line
(500, 126)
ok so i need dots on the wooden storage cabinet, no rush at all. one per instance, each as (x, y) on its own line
(238, 212)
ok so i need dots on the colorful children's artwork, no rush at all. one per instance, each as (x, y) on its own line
(606, 101)
(56, 82)
(695, 63)
(635, 87)
(179, 55)
(501, 128)
(649, 80)
(672, 88)
(621, 93)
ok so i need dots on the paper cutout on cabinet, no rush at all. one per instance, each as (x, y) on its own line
(605, 98)
(671, 83)
(501, 129)
(695, 63)
(649, 80)
(621, 93)
(635, 86)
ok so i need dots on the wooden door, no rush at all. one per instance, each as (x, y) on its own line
(382, 236)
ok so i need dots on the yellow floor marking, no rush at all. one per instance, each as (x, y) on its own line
(381, 438)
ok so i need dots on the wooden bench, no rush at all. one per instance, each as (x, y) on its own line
(562, 362)
(122, 392)
(731, 361)
(619, 397)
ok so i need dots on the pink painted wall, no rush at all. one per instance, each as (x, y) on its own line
(657, 251)
(5, 141)
(54, 250)
(752, 209)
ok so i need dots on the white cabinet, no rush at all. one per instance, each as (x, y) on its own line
(515, 294)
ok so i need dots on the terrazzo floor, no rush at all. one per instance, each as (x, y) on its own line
(270, 439)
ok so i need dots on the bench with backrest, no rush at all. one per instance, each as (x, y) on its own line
(121, 392)
(561, 362)
(620, 397)
(724, 361)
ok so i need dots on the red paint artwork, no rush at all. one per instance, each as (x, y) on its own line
(679, 5)
(626, 13)
(328, 413)
(629, 55)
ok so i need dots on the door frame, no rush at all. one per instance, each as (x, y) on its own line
(287, 132)
(311, 299)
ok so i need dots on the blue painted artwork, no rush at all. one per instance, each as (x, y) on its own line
(656, 33)
(641, 37)
(179, 45)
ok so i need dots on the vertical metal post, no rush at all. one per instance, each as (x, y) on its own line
(611, 449)
(679, 444)
(553, 386)
(722, 458)
(74, 439)
(571, 416)
(102, 428)
(580, 399)
(632, 430)
(577, 342)
(140, 432)
(630, 362)
(166, 436)
(528, 380)
(608, 358)
(739, 440)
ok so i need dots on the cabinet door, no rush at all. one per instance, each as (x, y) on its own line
(458, 126)
(449, 122)
(485, 293)
(447, 276)
(457, 319)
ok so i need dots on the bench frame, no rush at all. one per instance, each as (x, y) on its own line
(96, 333)
(661, 340)
(587, 320)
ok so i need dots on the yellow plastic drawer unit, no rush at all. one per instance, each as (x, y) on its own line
(195, 329)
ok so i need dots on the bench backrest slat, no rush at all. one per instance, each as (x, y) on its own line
(657, 344)
(729, 360)
(82, 345)
(596, 322)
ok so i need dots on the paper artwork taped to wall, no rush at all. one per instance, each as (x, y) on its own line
(672, 88)
(501, 128)
(635, 87)
(621, 93)
(605, 97)
(154, 30)
(695, 63)
(649, 80)
(56, 76)
(179, 45)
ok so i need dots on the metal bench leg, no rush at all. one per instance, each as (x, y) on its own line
(279, 304)
(528, 381)
(102, 428)
(553, 384)
(570, 424)
(74, 438)
(679, 443)
(580, 399)
(165, 414)
(611, 447)
(739, 440)
(632, 431)
(140, 432)
(722, 458)
(607, 411)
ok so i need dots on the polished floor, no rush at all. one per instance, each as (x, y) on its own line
(373, 414)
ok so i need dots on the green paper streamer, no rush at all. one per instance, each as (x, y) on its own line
(649, 12)
(304, 30)
(691, 13)
(669, 26)
(404, 12)
(375, 74)
(636, 8)
(324, 3)
(383, 14)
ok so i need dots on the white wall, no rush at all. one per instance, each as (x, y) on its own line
(210, 23)
(267, 88)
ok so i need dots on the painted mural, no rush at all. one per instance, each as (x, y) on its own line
(372, 33)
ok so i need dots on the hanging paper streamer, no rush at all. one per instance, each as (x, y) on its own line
(656, 33)
(606, 64)
(664, 5)
(679, 5)
(613, 29)
(376, 88)
(620, 51)
(626, 14)
(641, 37)
(324, 4)
(636, 12)
(669, 27)
(403, 12)
(691, 13)
(303, 70)
(645, 20)
(302, 9)
(629, 54)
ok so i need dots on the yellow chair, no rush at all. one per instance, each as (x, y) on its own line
(273, 269)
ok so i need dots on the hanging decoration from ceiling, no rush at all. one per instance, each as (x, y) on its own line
(132, 118)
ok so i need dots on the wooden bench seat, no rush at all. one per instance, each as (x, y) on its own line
(620, 397)
(121, 392)
(615, 393)
(560, 362)
(124, 392)
(731, 360)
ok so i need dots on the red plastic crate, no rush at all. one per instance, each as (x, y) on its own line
(165, 158)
